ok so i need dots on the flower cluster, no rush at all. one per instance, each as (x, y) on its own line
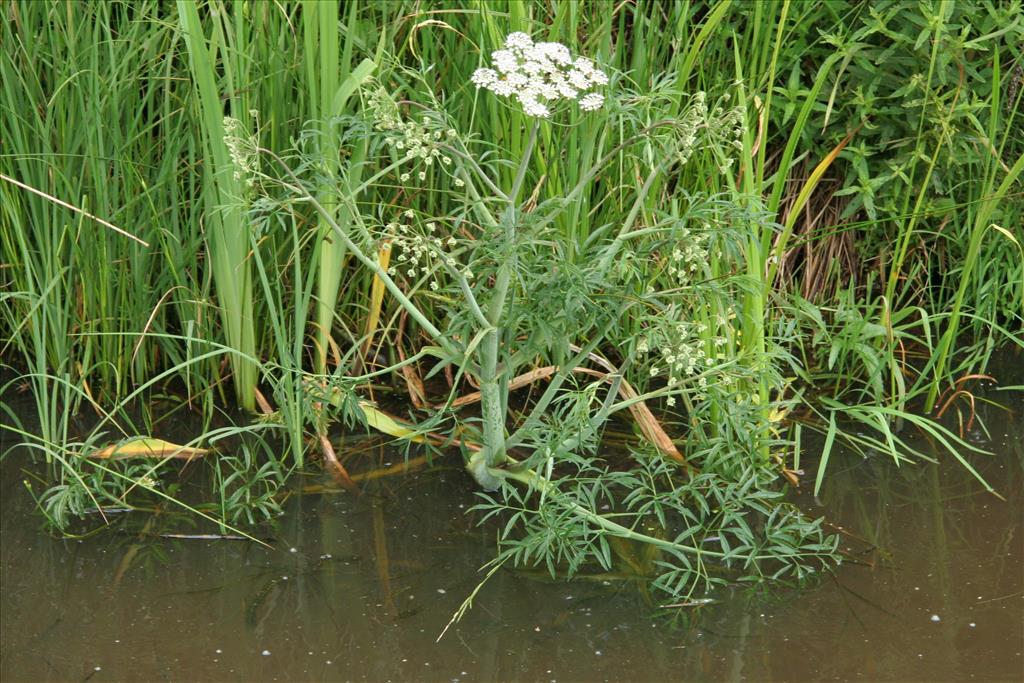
(705, 126)
(242, 148)
(421, 254)
(417, 141)
(681, 351)
(688, 256)
(538, 74)
(729, 130)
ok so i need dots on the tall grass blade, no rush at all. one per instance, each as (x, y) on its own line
(227, 229)
(826, 451)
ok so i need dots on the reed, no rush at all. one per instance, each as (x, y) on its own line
(219, 65)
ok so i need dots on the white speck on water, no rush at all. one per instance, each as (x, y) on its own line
(936, 617)
(218, 651)
(97, 668)
(537, 629)
(328, 661)
(266, 653)
(293, 550)
(441, 591)
(284, 578)
(972, 624)
(597, 652)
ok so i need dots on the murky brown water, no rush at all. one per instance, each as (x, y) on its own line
(358, 588)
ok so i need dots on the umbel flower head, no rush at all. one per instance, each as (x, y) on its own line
(538, 74)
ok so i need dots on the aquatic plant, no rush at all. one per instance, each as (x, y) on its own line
(493, 284)
(827, 232)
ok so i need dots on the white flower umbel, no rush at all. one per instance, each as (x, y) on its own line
(540, 74)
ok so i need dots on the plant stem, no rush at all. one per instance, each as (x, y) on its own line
(493, 383)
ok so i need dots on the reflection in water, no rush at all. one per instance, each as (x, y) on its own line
(359, 587)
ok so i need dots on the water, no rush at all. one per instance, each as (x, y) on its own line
(359, 588)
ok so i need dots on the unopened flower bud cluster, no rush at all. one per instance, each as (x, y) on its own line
(420, 254)
(729, 128)
(418, 142)
(242, 148)
(701, 127)
(540, 74)
(146, 481)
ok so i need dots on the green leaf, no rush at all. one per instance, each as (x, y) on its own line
(826, 451)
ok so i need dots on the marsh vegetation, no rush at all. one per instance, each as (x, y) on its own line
(618, 261)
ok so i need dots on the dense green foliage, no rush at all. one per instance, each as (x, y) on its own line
(777, 201)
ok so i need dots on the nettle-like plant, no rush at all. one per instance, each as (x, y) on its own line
(494, 272)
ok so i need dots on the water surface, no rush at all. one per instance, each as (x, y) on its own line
(359, 588)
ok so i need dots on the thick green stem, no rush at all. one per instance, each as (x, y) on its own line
(492, 407)
(494, 381)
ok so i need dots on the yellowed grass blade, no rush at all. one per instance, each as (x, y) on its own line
(815, 178)
(147, 448)
(649, 425)
(376, 296)
(413, 382)
(516, 383)
(801, 199)
(382, 422)
(337, 470)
